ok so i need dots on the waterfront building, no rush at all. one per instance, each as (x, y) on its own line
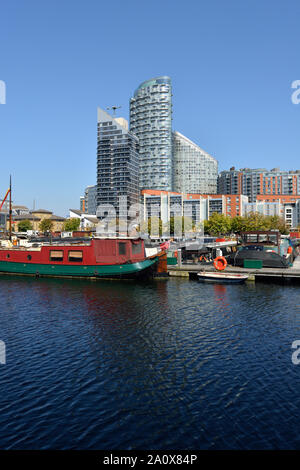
(165, 204)
(4, 215)
(3, 219)
(117, 162)
(254, 182)
(20, 210)
(90, 200)
(87, 221)
(194, 170)
(16, 210)
(151, 122)
(82, 203)
(35, 217)
(288, 207)
(264, 208)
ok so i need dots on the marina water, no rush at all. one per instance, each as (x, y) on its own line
(159, 365)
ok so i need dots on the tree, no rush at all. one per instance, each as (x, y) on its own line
(72, 225)
(218, 224)
(24, 225)
(153, 224)
(256, 221)
(275, 222)
(46, 225)
(238, 224)
(181, 225)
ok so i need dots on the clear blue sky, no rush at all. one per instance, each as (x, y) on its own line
(231, 62)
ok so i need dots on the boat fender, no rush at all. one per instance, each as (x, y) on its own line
(220, 263)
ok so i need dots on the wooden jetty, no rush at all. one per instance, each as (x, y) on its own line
(286, 275)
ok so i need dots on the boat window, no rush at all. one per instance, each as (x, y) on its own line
(75, 256)
(29, 257)
(136, 248)
(56, 255)
(122, 248)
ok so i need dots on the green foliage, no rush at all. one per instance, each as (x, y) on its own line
(238, 224)
(46, 225)
(155, 226)
(24, 225)
(256, 221)
(72, 225)
(276, 222)
(219, 224)
(179, 224)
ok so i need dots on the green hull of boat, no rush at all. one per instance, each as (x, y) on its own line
(60, 270)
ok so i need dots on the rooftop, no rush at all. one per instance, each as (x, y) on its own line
(41, 211)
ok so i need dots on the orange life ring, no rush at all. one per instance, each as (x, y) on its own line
(220, 263)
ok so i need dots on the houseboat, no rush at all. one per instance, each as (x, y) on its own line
(99, 258)
(263, 249)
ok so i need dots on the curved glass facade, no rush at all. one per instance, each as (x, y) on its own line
(194, 170)
(151, 122)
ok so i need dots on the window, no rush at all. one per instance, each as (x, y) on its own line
(75, 256)
(122, 248)
(136, 248)
(56, 255)
(29, 257)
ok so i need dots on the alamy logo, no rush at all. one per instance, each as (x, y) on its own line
(296, 95)
(296, 353)
(2, 353)
(2, 92)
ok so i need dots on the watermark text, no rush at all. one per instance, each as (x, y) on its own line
(2, 352)
(296, 353)
(296, 94)
(2, 92)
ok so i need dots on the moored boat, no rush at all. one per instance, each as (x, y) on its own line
(101, 258)
(222, 277)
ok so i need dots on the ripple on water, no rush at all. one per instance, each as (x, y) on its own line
(161, 365)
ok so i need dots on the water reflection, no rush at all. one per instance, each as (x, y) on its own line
(167, 365)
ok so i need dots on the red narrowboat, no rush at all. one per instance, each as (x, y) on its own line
(99, 258)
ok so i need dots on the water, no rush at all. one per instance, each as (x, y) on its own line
(164, 365)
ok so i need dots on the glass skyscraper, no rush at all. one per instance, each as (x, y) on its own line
(151, 122)
(194, 170)
(117, 162)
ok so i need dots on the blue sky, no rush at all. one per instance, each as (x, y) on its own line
(232, 64)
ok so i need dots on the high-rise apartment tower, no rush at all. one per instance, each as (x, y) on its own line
(117, 162)
(151, 122)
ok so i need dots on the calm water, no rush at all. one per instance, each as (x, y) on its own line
(163, 365)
